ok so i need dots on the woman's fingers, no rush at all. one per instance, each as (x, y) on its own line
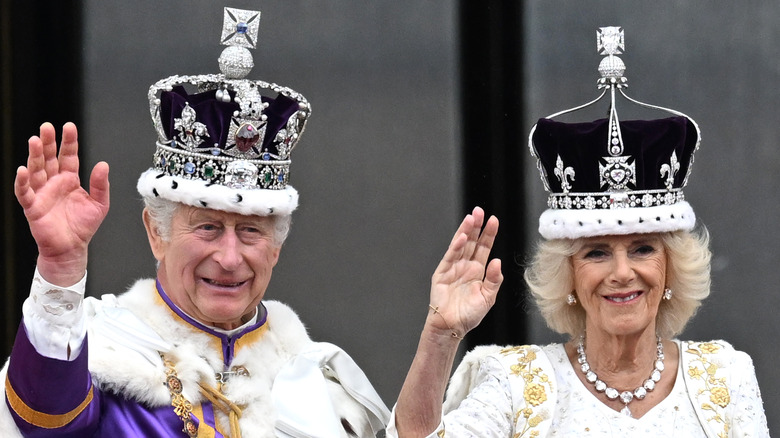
(471, 242)
(493, 279)
(486, 239)
(476, 227)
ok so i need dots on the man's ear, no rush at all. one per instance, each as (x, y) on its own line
(156, 242)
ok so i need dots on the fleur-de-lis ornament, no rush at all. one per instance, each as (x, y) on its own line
(563, 174)
(670, 170)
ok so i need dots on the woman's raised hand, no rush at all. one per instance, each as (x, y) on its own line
(62, 216)
(464, 285)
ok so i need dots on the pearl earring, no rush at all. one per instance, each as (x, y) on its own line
(667, 294)
(571, 299)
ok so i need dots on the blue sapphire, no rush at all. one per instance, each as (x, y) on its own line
(280, 178)
(189, 168)
(266, 156)
(215, 151)
(241, 27)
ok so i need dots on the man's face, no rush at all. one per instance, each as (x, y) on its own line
(216, 265)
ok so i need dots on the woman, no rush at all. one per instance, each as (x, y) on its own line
(620, 301)
(621, 271)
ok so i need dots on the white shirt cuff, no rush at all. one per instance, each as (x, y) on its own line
(54, 318)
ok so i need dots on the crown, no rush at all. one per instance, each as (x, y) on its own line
(610, 176)
(223, 141)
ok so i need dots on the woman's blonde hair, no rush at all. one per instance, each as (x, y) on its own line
(550, 279)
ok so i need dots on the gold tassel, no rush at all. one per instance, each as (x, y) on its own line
(226, 406)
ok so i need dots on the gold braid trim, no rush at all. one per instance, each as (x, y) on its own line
(42, 419)
(226, 406)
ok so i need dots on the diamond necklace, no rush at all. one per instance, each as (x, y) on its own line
(626, 397)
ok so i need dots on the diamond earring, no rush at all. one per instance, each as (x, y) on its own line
(571, 299)
(667, 294)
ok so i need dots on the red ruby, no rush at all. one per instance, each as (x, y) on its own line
(246, 137)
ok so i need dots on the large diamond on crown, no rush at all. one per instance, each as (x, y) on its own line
(617, 173)
(241, 174)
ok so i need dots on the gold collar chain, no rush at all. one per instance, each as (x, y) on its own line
(183, 408)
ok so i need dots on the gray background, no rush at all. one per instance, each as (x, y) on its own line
(378, 168)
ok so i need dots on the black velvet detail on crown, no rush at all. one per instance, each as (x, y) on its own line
(217, 115)
(582, 146)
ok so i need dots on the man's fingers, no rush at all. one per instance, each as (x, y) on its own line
(69, 159)
(36, 163)
(98, 184)
(24, 194)
(49, 142)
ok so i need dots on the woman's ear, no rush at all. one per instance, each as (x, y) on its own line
(156, 242)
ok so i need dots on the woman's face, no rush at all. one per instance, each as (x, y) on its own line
(619, 281)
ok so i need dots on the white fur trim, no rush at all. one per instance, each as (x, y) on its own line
(195, 192)
(574, 224)
(123, 358)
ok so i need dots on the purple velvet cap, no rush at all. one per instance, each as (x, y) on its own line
(218, 120)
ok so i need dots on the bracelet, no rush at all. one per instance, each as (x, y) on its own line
(453, 333)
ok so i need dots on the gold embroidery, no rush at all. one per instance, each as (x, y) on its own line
(704, 370)
(535, 392)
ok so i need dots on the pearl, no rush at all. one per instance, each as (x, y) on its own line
(626, 397)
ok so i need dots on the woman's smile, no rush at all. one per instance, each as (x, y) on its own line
(623, 298)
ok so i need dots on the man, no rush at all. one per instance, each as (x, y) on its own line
(196, 352)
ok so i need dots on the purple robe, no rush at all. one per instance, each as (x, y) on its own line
(56, 398)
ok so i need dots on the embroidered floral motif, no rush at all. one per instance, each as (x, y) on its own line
(535, 392)
(705, 370)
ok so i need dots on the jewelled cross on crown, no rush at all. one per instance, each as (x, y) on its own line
(239, 33)
(616, 171)
(610, 40)
(240, 28)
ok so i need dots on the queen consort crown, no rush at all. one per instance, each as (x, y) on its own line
(613, 177)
